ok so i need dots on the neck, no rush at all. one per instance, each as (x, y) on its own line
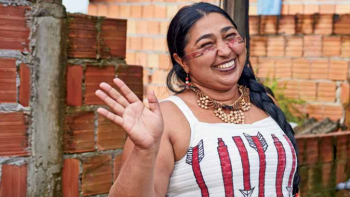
(222, 96)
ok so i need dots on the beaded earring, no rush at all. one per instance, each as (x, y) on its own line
(188, 84)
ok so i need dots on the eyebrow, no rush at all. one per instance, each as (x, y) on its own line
(223, 30)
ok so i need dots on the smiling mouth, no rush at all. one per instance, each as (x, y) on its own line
(227, 66)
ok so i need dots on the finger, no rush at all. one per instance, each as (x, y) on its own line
(115, 106)
(114, 94)
(109, 115)
(129, 95)
(153, 103)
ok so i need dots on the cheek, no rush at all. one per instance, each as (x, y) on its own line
(237, 48)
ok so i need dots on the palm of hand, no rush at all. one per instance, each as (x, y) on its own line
(143, 126)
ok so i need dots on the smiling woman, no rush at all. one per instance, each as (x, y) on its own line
(219, 135)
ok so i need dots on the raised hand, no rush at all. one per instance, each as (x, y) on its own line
(144, 125)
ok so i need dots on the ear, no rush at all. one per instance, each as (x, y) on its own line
(182, 63)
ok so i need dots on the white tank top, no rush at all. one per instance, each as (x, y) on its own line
(242, 160)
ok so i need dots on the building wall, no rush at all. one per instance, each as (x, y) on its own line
(307, 48)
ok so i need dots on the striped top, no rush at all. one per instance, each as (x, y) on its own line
(234, 160)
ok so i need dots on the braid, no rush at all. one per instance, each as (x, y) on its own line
(260, 99)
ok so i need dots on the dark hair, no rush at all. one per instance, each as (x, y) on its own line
(177, 40)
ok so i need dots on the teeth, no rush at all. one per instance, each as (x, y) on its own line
(227, 65)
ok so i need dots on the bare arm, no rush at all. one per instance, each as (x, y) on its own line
(148, 158)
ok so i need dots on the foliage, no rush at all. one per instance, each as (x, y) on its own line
(287, 105)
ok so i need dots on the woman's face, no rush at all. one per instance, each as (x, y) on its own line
(215, 53)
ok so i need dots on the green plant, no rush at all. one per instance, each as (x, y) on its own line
(287, 105)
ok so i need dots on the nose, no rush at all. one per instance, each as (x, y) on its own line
(223, 49)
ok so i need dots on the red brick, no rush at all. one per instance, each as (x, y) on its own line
(315, 111)
(319, 69)
(307, 90)
(341, 25)
(284, 9)
(153, 27)
(148, 11)
(82, 37)
(152, 60)
(312, 46)
(24, 88)
(331, 46)
(74, 85)
(135, 43)
(301, 148)
(290, 88)
(305, 24)
(93, 77)
(327, 174)
(136, 11)
(171, 10)
(341, 172)
(345, 48)
(283, 68)
(141, 59)
(141, 27)
(125, 11)
(301, 68)
(70, 178)
(334, 112)
(324, 24)
(294, 46)
(258, 46)
(102, 10)
(342, 143)
(14, 32)
(117, 165)
(342, 9)
(161, 11)
(79, 134)
(326, 91)
(109, 135)
(286, 25)
(147, 43)
(132, 76)
(296, 9)
(92, 9)
(338, 70)
(14, 181)
(311, 9)
(312, 150)
(345, 93)
(254, 22)
(131, 27)
(164, 62)
(268, 25)
(327, 9)
(275, 46)
(113, 38)
(113, 11)
(164, 28)
(266, 68)
(160, 44)
(13, 134)
(8, 89)
(130, 58)
(97, 175)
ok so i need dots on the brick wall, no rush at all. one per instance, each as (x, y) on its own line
(307, 48)
(91, 145)
(324, 162)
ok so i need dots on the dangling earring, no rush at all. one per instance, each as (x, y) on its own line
(188, 84)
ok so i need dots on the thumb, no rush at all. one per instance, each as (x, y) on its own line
(153, 102)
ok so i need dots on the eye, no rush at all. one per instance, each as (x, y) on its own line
(208, 44)
(231, 36)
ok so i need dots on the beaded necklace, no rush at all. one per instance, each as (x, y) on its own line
(235, 115)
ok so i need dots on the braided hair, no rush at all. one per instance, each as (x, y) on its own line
(177, 39)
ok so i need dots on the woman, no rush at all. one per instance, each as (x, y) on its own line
(221, 135)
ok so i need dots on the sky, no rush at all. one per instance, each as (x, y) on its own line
(74, 6)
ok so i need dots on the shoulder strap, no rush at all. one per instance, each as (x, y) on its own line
(184, 108)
